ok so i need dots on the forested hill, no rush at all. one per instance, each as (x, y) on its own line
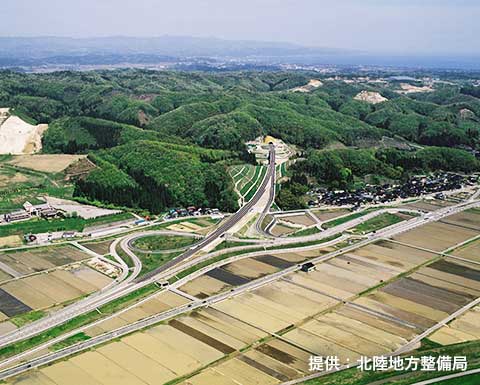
(174, 118)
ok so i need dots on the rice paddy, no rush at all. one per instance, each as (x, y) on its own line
(369, 301)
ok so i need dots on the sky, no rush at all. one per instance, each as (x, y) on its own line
(394, 26)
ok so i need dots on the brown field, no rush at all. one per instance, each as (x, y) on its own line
(198, 350)
(204, 286)
(4, 276)
(326, 215)
(226, 343)
(101, 248)
(229, 325)
(469, 219)
(104, 370)
(378, 322)
(301, 219)
(320, 346)
(160, 303)
(395, 256)
(209, 377)
(46, 163)
(429, 296)
(250, 268)
(28, 261)
(165, 355)
(91, 276)
(45, 290)
(137, 363)
(10, 241)
(465, 328)
(6, 327)
(279, 230)
(290, 257)
(378, 335)
(429, 205)
(69, 372)
(470, 251)
(240, 372)
(436, 236)
(344, 338)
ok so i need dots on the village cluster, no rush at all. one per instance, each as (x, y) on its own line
(372, 194)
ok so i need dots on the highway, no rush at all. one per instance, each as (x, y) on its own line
(229, 223)
(391, 231)
(131, 283)
(271, 198)
(447, 377)
(127, 288)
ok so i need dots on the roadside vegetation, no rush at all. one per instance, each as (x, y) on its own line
(72, 340)
(347, 218)
(353, 376)
(163, 242)
(77, 322)
(38, 225)
(305, 232)
(379, 222)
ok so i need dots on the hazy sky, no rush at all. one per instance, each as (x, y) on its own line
(374, 25)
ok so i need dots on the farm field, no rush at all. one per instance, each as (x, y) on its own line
(194, 225)
(240, 272)
(468, 218)
(101, 247)
(347, 331)
(351, 305)
(428, 205)
(463, 329)
(280, 230)
(20, 185)
(303, 219)
(158, 304)
(34, 260)
(470, 251)
(437, 236)
(45, 162)
(43, 291)
(427, 296)
(326, 215)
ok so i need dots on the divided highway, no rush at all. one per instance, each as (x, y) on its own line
(388, 232)
(229, 223)
(131, 283)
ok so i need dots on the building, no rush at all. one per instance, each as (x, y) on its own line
(308, 267)
(14, 216)
(43, 210)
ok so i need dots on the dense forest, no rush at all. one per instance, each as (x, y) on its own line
(163, 139)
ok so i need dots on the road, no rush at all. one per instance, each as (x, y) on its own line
(448, 377)
(391, 231)
(271, 198)
(131, 282)
(229, 223)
